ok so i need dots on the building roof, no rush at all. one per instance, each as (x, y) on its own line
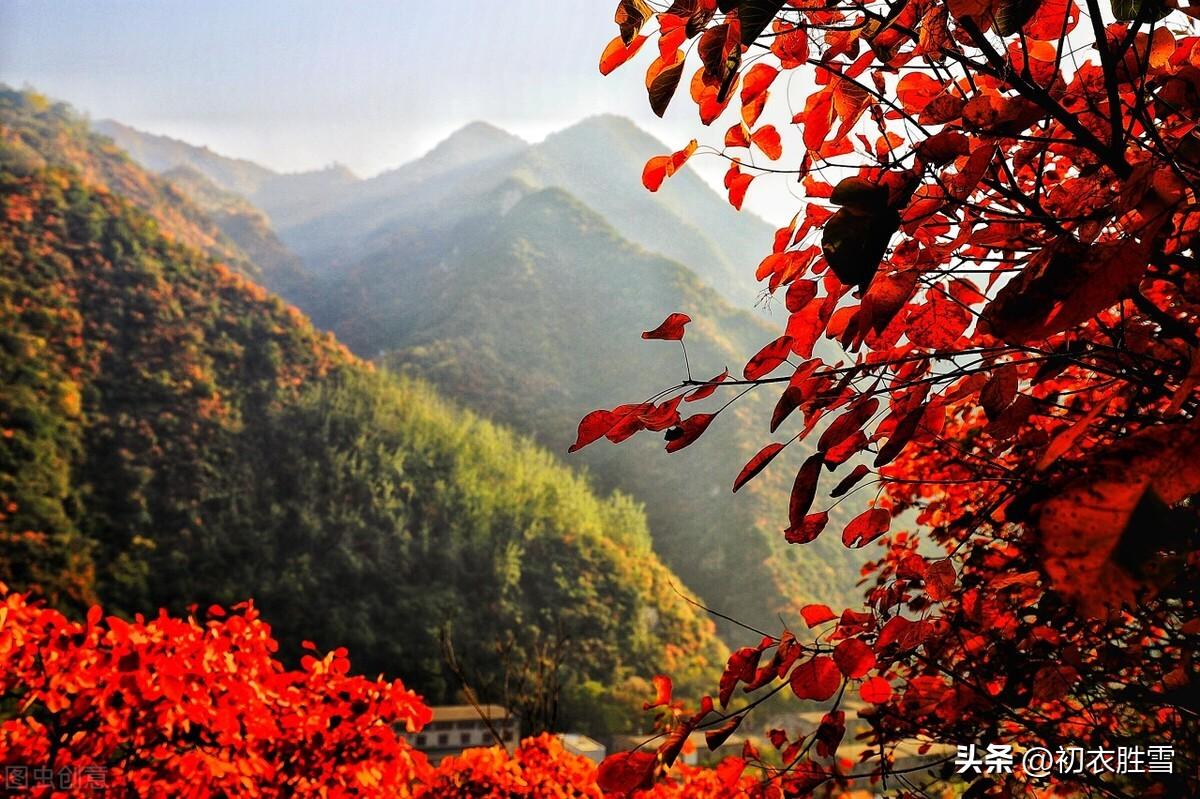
(470, 713)
(581, 742)
(697, 739)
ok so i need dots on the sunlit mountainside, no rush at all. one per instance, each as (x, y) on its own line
(481, 267)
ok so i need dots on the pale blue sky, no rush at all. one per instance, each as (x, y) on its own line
(299, 84)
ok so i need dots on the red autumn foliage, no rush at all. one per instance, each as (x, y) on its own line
(170, 707)
(993, 307)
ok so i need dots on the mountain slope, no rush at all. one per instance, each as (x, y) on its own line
(278, 268)
(528, 310)
(600, 160)
(162, 153)
(173, 434)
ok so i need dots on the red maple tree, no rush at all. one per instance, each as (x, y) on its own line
(1001, 214)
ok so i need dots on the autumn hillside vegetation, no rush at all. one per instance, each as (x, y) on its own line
(175, 435)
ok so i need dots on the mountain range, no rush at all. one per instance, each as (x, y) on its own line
(516, 278)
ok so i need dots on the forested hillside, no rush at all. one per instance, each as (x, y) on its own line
(529, 310)
(173, 434)
(37, 132)
(247, 227)
(524, 303)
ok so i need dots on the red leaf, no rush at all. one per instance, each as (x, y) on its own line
(767, 139)
(719, 735)
(1047, 22)
(661, 417)
(830, 733)
(757, 464)
(809, 529)
(886, 297)
(768, 358)
(850, 480)
(736, 136)
(939, 580)
(905, 633)
(799, 294)
(707, 389)
(789, 400)
(706, 94)
(783, 267)
(938, 323)
(741, 667)
(671, 329)
(688, 431)
(847, 424)
(817, 614)
(901, 435)
(791, 47)
(655, 171)
(593, 427)
(756, 81)
(661, 167)
(662, 79)
(753, 110)
(999, 391)
(628, 421)
(662, 688)
(617, 53)
(805, 327)
(876, 691)
(817, 118)
(854, 658)
(1065, 439)
(942, 148)
(804, 490)
(866, 527)
(625, 772)
(916, 90)
(737, 182)
(844, 451)
(817, 679)
(1063, 286)
(630, 16)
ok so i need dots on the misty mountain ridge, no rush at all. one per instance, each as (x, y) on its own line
(599, 160)
(280, 194)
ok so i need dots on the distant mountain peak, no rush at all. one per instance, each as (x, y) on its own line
(609, 126)
(606, 120)
(481, 128)
(476, 140)
(335, 169)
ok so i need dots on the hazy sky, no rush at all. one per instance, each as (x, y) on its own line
(300, 84)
